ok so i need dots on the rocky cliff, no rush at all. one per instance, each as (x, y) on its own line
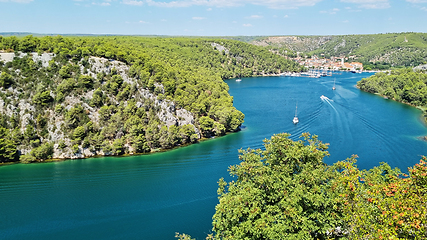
(58, 131)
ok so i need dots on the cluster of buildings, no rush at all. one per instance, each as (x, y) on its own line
(334, 63)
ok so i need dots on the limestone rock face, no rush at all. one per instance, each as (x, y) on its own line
(220, 48)
(26, 110)
(45, 58)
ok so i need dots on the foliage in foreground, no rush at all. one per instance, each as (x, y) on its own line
(287, 192)
(280, 192)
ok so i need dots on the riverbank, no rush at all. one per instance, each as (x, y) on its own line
(154, 151)
(423, 116)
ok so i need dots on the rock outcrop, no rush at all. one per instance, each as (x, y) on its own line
(26, 110)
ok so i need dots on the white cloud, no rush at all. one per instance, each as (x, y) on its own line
(333, 11)
(247, 25)
(198, 18)
(424, 9)
(417, 1)
(255, 16)
(17, 1)
(275, 4)
(138, 22)
(286, 16)
(345, 21)
(370, 4)
(133, 2)
(104, 4)
(209, 9)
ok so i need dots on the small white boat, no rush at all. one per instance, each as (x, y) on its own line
(296, 120)
(333, 88)
(238, 80)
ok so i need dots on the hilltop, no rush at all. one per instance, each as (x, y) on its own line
(391, 49)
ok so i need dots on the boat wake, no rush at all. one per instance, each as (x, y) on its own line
(387, 142)
(326, 99)
(308, 120)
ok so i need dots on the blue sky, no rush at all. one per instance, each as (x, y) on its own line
(213, 17)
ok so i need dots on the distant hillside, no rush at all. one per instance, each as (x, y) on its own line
(394, 49)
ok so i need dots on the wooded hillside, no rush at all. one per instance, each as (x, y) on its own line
(391, 49)
(83, 96)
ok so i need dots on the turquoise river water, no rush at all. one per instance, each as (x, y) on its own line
(154, 196)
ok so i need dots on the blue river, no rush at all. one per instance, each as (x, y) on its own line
(154, 196)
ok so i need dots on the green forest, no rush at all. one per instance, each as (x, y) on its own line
(403, 85)
(73, 97)
(286, 191)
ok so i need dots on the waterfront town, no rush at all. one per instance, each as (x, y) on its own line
(334, 63)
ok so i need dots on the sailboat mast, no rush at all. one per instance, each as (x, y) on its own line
(296, 109)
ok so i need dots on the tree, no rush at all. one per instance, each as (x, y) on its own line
(219, 129)
(43, 152)
(28, 44)
(118, 147)
(140, 145)
(42, 98)
(5, 79)
(65, 71)
(279, 193)
(97, 98)
(383, 203)
(8, 151)
(86, 81)
(206, 125)
(79, 133)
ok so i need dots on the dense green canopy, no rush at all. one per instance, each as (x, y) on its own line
(404, 85)
(187, 72)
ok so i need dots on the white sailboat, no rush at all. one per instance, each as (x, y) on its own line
(333, 88)
(295, 120)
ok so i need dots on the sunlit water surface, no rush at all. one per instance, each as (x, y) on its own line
(154, 196)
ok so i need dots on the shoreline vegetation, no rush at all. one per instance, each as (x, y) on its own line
(423, 115)
(79, 97)
(406, 86)
(159, 150)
